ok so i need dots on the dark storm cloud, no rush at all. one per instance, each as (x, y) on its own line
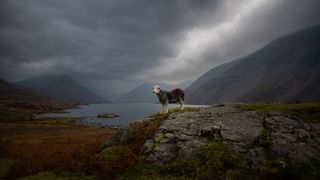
(118, 44)
(113, 36)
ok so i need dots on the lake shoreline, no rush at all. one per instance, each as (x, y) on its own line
(128, 113)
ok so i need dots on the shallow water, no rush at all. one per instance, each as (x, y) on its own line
(129, 112)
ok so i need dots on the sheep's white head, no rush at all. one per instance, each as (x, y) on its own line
(156, 89)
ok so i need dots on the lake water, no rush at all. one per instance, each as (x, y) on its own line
(129, 112)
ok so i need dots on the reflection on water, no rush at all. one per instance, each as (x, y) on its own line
(129, 112)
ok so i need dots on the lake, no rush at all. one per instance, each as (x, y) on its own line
(129, 112)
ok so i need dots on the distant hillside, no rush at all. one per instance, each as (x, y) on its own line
(286, 70)
(60, 87)
(142, 93)
(11, 92)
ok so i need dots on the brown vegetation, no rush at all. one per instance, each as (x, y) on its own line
(58, 146)
(126, 153)
(20, 109)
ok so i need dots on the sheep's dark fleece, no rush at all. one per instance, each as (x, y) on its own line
(174, 95)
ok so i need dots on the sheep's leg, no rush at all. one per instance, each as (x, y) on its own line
(162, 108)
(166, 108)
(181, 104)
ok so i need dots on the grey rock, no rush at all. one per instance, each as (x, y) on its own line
(148, 146)
(158, 137)
(169, 135)
(191, 148)
(246, 132)
(164, 153)
(302, 134)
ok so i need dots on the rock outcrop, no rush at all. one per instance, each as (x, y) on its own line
(258, 136)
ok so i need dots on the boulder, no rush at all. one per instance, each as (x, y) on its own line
(258, 136)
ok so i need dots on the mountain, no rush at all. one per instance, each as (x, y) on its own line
(285, 70)
(142, 93)
(9, 92)
(60, 87)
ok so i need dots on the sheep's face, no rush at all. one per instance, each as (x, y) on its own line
(156, 89)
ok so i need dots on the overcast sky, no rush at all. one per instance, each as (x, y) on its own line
(115, 45)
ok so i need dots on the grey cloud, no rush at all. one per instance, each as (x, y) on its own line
(267, 21)
(112, 44)
(116, 38)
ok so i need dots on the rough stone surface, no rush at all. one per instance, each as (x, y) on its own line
(246, 132)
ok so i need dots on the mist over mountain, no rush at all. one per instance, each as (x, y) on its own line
(60, 87)
(285, 70)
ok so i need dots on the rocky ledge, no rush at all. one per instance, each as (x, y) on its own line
(257, 136)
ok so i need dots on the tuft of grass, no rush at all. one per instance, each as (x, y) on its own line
(13, 114)
(306, 112)
(214, 161)
(59, 120)
(271, 169)
(5, 164)
(54, 176)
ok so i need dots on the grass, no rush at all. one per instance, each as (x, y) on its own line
(11, 114)
(269, 166)
(57, 146)
(58, 149)
(126, 153)
(54, 176)
(306, 112)
(19, 110)
(5, 164)
(213, 161)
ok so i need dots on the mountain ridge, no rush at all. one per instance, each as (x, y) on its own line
(60, 87)
(285, 70)
(11, 92)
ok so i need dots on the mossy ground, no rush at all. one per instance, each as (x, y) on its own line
(270, 166)
(32, 143)
(56, 148)
(213, 161)
(306, 112)
(47, 175)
